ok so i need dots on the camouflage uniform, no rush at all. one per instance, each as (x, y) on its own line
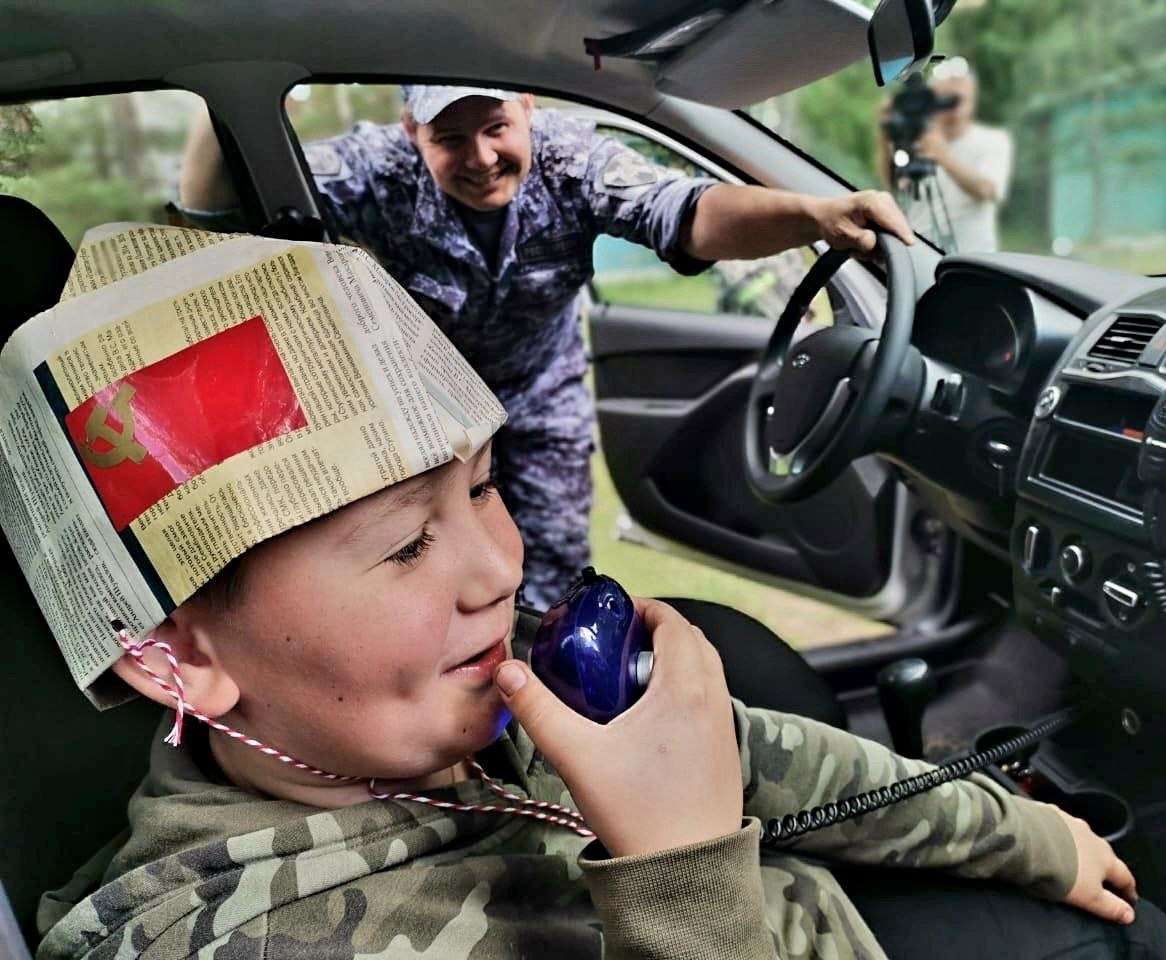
(210, 870)
(515, 321)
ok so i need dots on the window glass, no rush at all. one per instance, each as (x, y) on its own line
(1055, 143)
(321, 110)
(630, 275)
(92, 160)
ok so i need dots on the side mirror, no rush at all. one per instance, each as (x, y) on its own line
(901, 35)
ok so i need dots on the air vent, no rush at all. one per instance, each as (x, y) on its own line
(1126, 338)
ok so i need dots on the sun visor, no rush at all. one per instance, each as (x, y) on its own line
(194, 394)
(766, 48)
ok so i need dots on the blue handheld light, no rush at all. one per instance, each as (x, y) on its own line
(591, 648)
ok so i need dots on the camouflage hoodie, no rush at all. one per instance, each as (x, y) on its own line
(210, 870)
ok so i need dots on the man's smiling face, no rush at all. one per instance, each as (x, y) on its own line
(478, 149)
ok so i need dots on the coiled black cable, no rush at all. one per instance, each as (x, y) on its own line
(1155, 576)
(779, 829)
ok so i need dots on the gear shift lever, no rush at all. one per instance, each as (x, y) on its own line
(905, 688)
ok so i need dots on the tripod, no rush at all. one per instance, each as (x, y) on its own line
(918, 182)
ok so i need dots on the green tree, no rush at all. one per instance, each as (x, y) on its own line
(840, 116)
(328, 109)
(1081, 85)
(85, 164)
(20, 135)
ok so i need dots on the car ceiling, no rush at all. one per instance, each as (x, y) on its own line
(56, 47)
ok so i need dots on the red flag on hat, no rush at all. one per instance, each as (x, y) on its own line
(148, 433)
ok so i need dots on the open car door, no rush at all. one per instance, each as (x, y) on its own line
(673, 360)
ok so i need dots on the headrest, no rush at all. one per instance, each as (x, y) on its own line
(35, 259)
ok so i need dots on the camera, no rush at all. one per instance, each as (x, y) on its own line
(910, 113)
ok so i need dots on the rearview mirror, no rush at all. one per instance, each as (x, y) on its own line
(901, 35)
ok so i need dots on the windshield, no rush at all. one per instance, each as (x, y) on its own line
(1044, 131)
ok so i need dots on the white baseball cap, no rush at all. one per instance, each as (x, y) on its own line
(426, 102)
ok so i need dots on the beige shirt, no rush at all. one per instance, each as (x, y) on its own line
(973, 223)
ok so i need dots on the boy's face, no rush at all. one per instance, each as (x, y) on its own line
(477, 149)
(364, 643)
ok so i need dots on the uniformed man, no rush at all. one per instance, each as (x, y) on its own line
(486, 210)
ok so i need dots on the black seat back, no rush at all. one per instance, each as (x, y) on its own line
(35, 259)
(65, 772)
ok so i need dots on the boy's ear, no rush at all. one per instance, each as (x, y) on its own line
(208, 685)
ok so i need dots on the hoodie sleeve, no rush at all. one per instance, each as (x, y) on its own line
(971, 827)
(698, 902)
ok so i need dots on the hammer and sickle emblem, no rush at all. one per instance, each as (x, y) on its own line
(122, 443)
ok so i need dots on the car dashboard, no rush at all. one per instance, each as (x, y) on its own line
(1034, 418)
(1087, 542)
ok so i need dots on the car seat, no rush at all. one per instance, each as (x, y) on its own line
(66, 773)
(761, 669)
(69, 773)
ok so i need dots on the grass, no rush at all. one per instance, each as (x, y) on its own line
(695, 294)
(666, 290)
(1148, 260)
(1145, 256)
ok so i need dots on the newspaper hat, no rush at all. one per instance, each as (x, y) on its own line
(426, 102)
(194, 394)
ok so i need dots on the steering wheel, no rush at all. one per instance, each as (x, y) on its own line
(812, 413)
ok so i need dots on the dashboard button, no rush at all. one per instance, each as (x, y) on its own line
(1034, 548)
(1123, 601)
(998, 452)
(1121, 595)
(1047, 402)
(948, 399)
(1074, 562)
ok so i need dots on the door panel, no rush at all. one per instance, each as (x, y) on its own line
(671, 390)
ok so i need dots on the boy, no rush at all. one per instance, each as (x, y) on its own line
(356, 659)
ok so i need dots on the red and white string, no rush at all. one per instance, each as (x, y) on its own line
(536, 809)
(543, 810)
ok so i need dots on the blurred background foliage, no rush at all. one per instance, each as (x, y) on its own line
(1081, 86)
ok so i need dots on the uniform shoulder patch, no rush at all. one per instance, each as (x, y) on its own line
(324, 160)
(629, 169)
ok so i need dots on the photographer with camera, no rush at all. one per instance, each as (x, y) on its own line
(949, 172)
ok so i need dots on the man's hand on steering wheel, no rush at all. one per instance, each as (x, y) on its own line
(845, 222)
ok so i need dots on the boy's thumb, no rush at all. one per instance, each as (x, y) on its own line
(546, 719)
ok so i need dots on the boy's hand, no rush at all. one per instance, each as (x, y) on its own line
(663, 774)
(1097, 865)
